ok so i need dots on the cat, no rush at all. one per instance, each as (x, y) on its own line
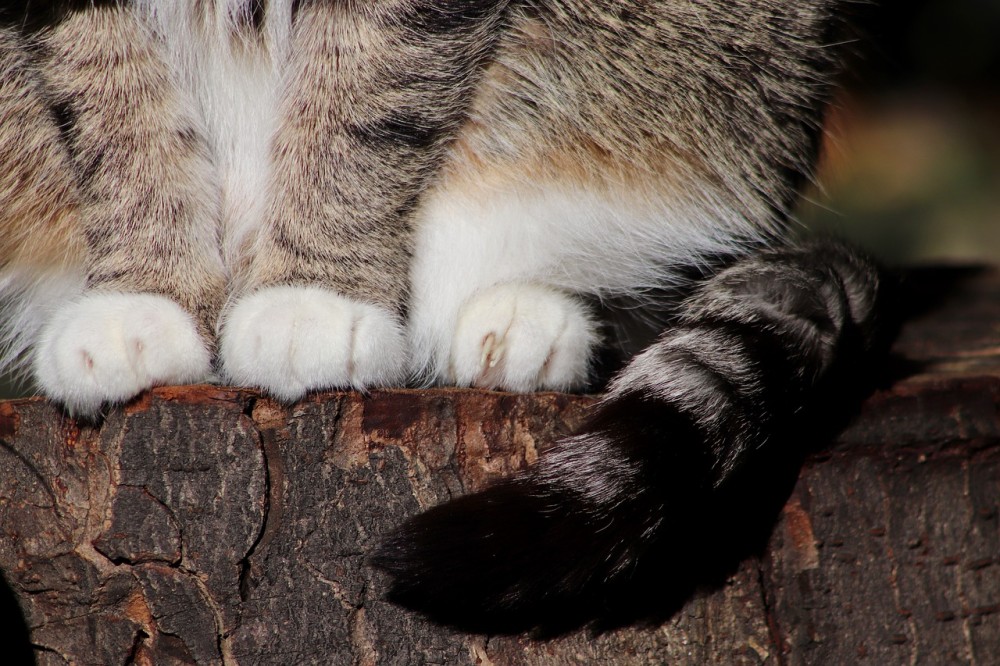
(510, 194)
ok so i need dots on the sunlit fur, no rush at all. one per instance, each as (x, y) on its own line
(246, 145)
(298, 195)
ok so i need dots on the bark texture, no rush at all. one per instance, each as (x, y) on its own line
(212, 525)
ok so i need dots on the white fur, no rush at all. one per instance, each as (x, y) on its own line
(577, 240)
(520, 338)
(107, 347)
(288, 340)
(236, 87)
(27, 301)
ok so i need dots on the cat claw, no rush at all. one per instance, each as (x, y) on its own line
(522, 338)
(492, 351)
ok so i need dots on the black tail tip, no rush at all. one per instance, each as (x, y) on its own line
(514, 558)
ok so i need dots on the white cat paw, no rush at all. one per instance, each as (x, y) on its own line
(289, 340)
(522, 338)
(109, 347)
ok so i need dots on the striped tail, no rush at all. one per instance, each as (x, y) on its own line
(548, 548)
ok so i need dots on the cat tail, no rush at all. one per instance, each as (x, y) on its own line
(674, 428)
(42, 246)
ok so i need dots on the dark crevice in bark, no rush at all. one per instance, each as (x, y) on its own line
(245, 563)
(140, 638)
(249, 405)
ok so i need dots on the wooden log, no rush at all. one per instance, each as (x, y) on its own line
(213, 525)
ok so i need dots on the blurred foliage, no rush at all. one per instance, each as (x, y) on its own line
(911, 161)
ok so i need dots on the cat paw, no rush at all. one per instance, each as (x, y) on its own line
(522, 338)
(289, 340)
(109, 347)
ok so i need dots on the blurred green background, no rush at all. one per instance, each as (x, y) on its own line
(910, 165)
(911, 161)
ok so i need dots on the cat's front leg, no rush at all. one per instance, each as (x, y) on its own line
(367, 106)
(149, 214)
(503, 275)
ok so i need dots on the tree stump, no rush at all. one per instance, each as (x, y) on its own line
(213, 525)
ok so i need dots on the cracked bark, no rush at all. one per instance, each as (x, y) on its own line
(211, 525)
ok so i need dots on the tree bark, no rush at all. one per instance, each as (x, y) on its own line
(214, 525)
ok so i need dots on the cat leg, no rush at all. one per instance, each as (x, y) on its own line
(500, 265)
(42, 248)
(150, 218)
(486, 309)
(322, 298)
(317, 303)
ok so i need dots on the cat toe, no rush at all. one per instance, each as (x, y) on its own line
(289, 340)
(522, 338)
(108, 347)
